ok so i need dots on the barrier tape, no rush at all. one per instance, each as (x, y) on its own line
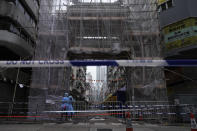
(79, 115)
(144, 113)
(114, 106)
(75, 115)
(111, 106)
(127, 63)
(124, 110)
(89, 111)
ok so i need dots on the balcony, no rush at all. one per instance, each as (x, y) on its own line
(15, 43)
(16, 14)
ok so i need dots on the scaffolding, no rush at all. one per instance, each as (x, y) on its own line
(50, 83)
(145, 83)
(97, 29)
(89, 30)
(73, 29)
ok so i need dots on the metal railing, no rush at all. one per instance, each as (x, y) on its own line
(82, 111)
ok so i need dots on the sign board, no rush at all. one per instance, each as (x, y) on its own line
(111, 98)
(161, 1)
(180, 34)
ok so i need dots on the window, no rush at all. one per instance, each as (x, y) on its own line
(27, 15)
(169, 4)
(7, 25)
(4, 24)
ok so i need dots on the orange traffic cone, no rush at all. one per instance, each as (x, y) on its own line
(193, 122)
(140, 116)
(129, 126)
(128, 115)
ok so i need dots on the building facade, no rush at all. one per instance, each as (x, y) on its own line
(78, 84)
(18, 35)
(178, 19)
(116, 79)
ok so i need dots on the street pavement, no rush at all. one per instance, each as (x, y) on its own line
(87, 127)
(152, 127)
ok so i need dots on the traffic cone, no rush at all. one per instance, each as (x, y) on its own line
(193, 122)
(129, 126)
(128, 115)
(140, 116)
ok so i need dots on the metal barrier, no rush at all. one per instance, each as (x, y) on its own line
(82, 111)
(16, 111)
(55, 110)
(148, 110)
(160, 111)
(113, 108)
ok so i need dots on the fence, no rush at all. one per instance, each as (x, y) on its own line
(149, 111)
(160, 111)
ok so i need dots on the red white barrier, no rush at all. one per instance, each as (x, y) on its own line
(140, 116)
(193, 122)
(129, 126)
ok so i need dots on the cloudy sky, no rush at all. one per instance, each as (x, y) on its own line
(92, 70)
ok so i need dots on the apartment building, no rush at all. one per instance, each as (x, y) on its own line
(18, 35)
(178, 19)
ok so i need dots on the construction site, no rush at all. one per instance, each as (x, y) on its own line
(97, 65)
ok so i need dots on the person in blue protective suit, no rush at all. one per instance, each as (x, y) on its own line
(65, 105)
(70, 107)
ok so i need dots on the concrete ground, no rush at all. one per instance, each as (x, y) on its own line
(91, 124)
(152, 127)
(87, 127)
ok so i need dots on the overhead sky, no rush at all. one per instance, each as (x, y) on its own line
(92, 70)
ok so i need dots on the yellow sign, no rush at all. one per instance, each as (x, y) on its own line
(161, 1)
(181, 43)
(180, 25)
(180, 34)
(111, 98)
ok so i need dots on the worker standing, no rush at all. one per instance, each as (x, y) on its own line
(71, 113)
(65, 105)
